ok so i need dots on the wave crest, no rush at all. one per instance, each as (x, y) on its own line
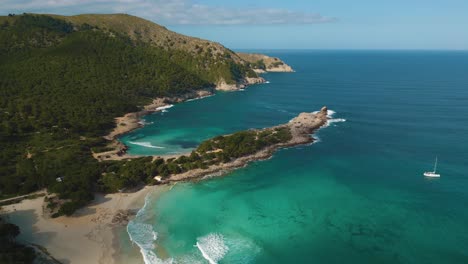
(144, 236)
(331, 120)
(163, 107)
(212, 247)
(198, 98)
(145, 144)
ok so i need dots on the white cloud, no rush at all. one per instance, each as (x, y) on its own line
(169, 12)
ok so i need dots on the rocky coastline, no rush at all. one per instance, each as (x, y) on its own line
(301, 127)
(262, 63)
(131, 121)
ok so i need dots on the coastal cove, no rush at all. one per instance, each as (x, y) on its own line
(95, 224)
(353, 192)
(214, 156)
(125, 124)
(356, 191)
(233, 132)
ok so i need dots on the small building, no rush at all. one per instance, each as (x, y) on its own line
(158, 178)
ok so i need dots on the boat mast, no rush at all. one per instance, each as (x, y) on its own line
(435, 165)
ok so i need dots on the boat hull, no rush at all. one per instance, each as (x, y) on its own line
(432, 174)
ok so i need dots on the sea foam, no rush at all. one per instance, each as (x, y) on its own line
(331, 120)
(144, 236)
(212, 247)
(163, 107)
(198, 98)
(145, 144)
(143, 122)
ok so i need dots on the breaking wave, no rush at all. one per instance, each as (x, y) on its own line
(144, 236)
(163, 107)
(145, 144)
(198, 98)
(143, 122)
(332, 120)
(316, 140)
(212, 247)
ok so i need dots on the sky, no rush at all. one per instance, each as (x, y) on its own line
(289, 24)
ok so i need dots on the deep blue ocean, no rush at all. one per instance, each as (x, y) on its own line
(357, 195)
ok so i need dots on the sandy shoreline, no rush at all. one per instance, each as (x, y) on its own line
(92, 229)
(131, 121)
(87, 236)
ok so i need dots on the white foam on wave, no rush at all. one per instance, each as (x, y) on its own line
(331, 120)
(212, 247)
(336, 120)
(143, 122)
(198, 98)
(144, 236)
(316, 140)
(267, 82)
(145, 144)
(163, 107)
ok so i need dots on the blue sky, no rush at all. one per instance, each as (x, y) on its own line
(293, 24)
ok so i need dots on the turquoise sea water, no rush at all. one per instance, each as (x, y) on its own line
(357, 195)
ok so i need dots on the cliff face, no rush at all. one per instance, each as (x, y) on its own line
(263, 63)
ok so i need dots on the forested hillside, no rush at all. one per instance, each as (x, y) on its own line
(63, 81)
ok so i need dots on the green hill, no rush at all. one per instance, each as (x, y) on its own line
(63, 80)
(158, 36)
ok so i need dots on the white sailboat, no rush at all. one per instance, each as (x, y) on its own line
(432, 173)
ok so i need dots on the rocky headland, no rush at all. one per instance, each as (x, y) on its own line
(300, 128)
(262, 63)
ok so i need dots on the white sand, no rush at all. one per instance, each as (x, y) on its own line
(85, 237)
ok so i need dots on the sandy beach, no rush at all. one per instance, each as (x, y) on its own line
(131, 121)
(87, 236)
(91, 229)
